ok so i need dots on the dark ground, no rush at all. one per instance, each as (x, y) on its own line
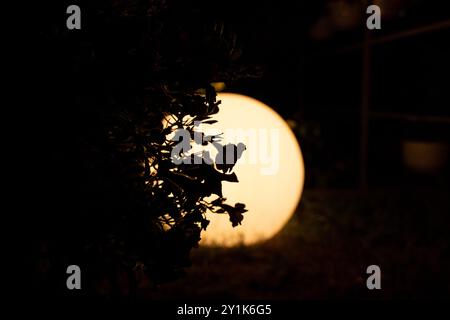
(325, 249)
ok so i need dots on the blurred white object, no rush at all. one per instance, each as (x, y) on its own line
(345, 15)
(425, 157)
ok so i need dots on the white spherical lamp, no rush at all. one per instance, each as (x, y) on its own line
(270, 172)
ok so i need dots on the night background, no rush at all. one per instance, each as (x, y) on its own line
(370, 110)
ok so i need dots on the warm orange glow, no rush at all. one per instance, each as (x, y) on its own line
(271, 172)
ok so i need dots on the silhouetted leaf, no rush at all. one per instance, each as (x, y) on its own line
(210, 121)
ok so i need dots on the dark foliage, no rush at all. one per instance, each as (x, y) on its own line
(119, 207)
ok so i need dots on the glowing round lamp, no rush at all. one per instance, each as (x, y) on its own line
(270, 172)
